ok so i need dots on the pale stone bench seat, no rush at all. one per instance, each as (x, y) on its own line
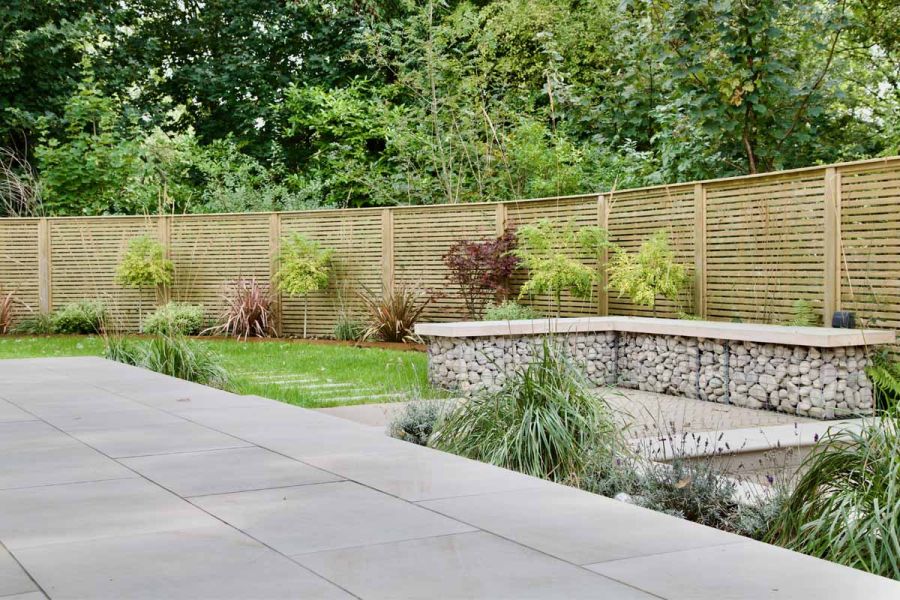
(809, 371)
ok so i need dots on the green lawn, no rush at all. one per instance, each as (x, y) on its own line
(311, 375)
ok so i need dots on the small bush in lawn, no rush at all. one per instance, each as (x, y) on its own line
(84, 317)
(247, 312)
(393, 316)
(509, 311)
(175, 318)
(544, 421)
(417, 421)
(349, 329)
(38, 324)
(6, 302)
(846, 505)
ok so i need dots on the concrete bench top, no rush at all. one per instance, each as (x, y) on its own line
(819, 337)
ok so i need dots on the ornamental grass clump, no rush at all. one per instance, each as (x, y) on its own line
(171, 355)
(304, 268)
(543, 421)
(247, 312)
(846, 506)
(6, 304)
(393, 316)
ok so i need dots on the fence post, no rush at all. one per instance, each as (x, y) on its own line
(501, 218)
(603, 223)
(700, 250)
(832, 293)
(45, 283)
(387, 249)
(274, 251)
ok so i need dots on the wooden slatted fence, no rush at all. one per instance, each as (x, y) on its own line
(829, 235)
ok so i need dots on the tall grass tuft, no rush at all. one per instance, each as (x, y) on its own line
(846, 506)
(6, 303)
(177, 357)
(544, 421)
(393, 316)
(247, 312)
(170, 355)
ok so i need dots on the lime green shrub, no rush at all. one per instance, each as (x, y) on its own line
(550, 251)
(145, 264)
(86, 317)
(304, 268)
(175, 318)
(650, 273)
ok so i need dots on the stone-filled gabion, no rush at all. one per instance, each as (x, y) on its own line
(823, 383)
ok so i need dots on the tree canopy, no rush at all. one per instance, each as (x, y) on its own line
(139, 106)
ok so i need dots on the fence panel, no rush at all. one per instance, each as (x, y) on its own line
(765, 246)
(422, 235)
(84, 256)
(634, 217)
(827, 235)
(210, 251)
(19, 265)
(582, 212)
(870, 256)
(355, 238)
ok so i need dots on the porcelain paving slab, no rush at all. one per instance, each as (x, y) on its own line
(748, 571)
(577, 526)
(402, 521)
(414, 473)
(10, 412)
(214, 563)
(223, 471)
(84, 511)
(13, 580)
(158, 439)
(326, 516)
(468, 565)
(32, 453)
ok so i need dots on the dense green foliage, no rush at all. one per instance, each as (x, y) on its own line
(175, 318)
(846, 505)
(87, 316)
(544, 421)
(146, 105)
(651, 272)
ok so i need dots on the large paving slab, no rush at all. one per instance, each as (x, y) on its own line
(119, 483)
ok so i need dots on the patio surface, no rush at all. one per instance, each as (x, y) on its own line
(120, 483)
